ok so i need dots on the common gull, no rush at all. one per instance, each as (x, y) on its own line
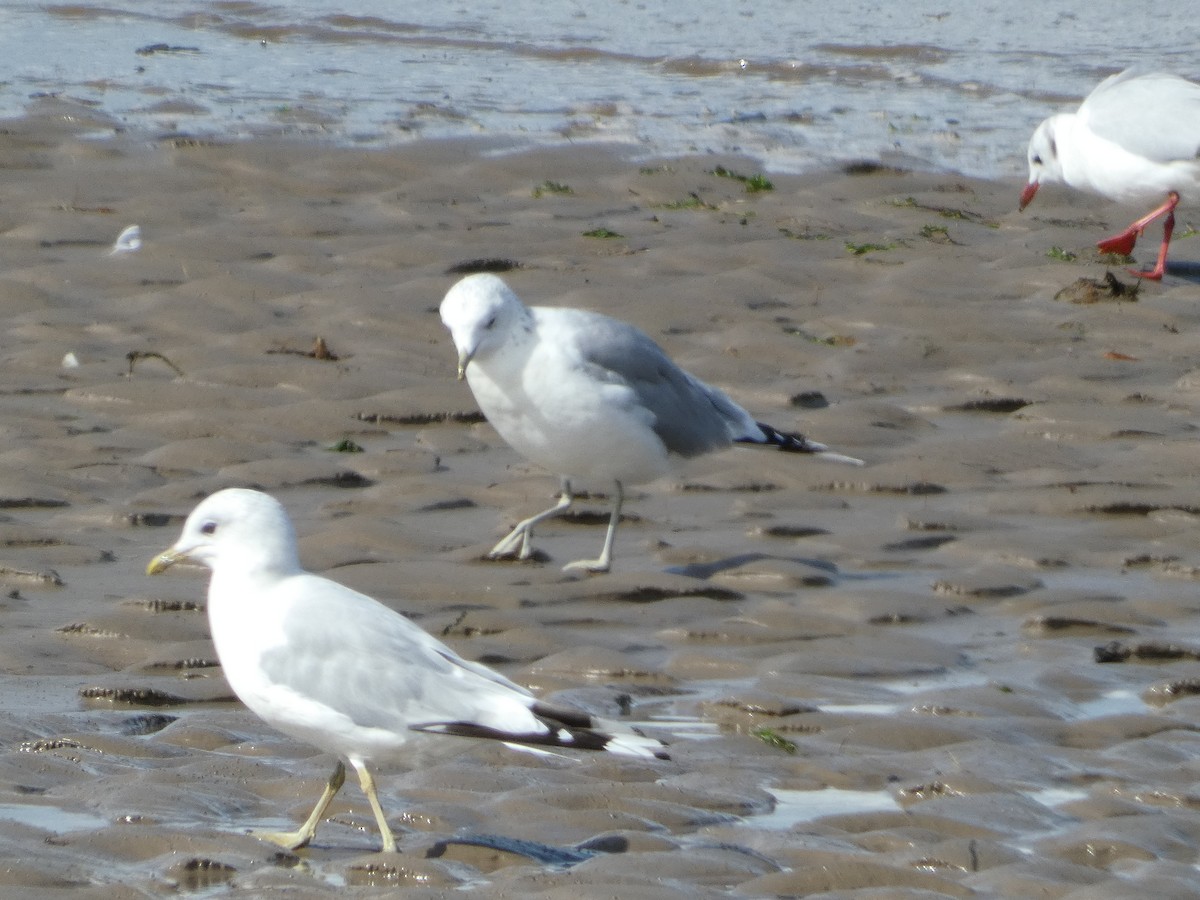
(588, 396)
(341, 671)
(1136, 138)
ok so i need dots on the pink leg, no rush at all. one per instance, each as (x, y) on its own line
(1123, 243)
(1160, 267)
(1120, 243)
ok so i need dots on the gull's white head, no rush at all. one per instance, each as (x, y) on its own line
(1044, 162)
(480, 311)
(234, 527)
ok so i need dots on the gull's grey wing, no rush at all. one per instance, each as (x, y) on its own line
(1155, 115)
(690, 417)
(354, 655)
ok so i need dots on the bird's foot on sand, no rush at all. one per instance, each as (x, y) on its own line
(1122, 243)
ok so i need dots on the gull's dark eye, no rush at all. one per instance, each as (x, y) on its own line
(1037, 160)
(490, 323)
(208, 528)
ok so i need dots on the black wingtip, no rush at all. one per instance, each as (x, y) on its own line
(794, 442)
(562, 736)
(789, 442)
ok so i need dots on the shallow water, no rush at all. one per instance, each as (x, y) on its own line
(49, 818)
(793, 807)
(796, 85)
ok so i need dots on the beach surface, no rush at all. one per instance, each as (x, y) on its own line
(968, 669)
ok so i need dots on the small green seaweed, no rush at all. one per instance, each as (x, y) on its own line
(935, 232)
(602, 233)
(345, 445)
(758, 183)
(860, 249)
(946, 212)
(551, 187)
(754, 184)
(1060, 254)
(773, 738)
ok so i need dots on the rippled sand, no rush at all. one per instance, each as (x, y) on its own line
(918, 638)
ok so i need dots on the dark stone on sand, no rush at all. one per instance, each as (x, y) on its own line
(346, 479)
(73, 242)
(442, 505)
(990, 405)
(870, 167)
(1130, 508)
(930, 542)
(486, 264)
(1112, 653)
(31, 503)
(1060, 624)
(1152, 651)
(809, 400)
(459, 418)
(793, 531)
(148, 723)
(655, 593)
(987, 585)
(916, 488)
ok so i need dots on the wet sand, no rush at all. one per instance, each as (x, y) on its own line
(918, 638)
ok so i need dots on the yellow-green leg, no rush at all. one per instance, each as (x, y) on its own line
(604, 562)
(519, 541)
(368, 786)
(294, 840)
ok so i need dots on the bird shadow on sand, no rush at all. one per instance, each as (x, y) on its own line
(543, 854)
(1187, 271)
(825, 573)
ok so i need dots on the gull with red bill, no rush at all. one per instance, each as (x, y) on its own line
(1135, 138)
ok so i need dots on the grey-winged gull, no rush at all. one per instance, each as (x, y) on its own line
(588, 396)
(341, 671)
